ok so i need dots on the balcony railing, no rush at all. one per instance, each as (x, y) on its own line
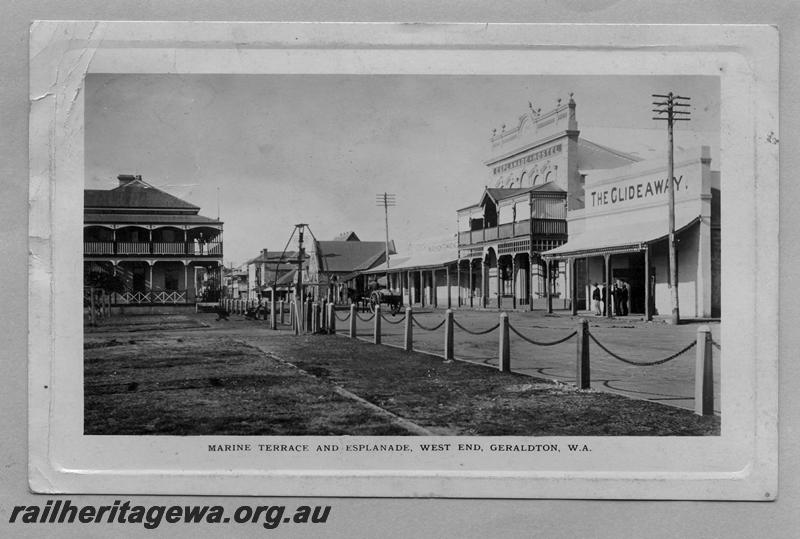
(151, 296)
(169, 248)
(133, 248)
(127, 248)
(98, 247)
(544, 227)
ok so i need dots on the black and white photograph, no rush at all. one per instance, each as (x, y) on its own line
(385, 260)
(402, 255)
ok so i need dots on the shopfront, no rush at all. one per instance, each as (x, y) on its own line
(620, 237)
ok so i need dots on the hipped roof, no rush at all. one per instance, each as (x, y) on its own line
(349, 256)
(136, 194)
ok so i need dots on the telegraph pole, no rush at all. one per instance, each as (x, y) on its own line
(386, 200)
(298, 290)
(667, 105)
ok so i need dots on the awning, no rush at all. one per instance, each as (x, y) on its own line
(620, 239)
(427, 260)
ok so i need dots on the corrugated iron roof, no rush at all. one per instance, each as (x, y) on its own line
(136, 195)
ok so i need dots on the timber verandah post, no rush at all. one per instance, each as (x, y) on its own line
(573, 285)
(648, 297)
(607, 303)
(547, 286)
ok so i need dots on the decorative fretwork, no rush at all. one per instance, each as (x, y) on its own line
(511, 247)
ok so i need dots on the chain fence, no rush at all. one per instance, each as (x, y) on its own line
(440, 324)
(345, 319)
(390, 321)
(538, 343)
(365, 319)
(471, 332)
(642, 363)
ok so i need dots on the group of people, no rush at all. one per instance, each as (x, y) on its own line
(619, 299)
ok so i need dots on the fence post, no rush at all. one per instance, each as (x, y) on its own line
(448, 335)
(314, 317)
(504, 363)
(409, 330)
(273, 321)
(280, 307)
(331, 319)
(324, 314)
(308, 315)
(377, 338)
(352, 320)
(109, 305)
(582, 379)
(704, 374)
(292, 317)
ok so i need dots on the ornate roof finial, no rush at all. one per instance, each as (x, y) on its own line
(504, 128)
(558, 103)
(494, 132)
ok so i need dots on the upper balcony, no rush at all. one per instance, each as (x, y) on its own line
(522, 229)
(147, 248)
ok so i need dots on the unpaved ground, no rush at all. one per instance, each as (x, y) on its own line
(192, 375)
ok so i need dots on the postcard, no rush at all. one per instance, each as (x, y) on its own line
(447, 260)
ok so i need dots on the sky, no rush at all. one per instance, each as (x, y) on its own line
(271, 151)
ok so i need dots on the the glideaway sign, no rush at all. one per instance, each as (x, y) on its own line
(632, 192)
(640, 186)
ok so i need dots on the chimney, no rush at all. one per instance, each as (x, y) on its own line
(125, 179)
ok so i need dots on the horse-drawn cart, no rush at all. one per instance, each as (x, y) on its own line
(385, 297)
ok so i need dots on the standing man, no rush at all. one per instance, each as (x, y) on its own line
(616, 298)
(596, 299)
(623, 299)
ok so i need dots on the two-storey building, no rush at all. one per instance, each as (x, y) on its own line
(156, 246)
(537, 167)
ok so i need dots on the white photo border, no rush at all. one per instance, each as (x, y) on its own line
(741, 463)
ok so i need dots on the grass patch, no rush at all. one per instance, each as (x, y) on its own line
(466, 399)
(210, 383)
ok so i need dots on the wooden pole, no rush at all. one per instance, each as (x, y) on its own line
(409, 330)
(352, 320)
(504, 352)
(582, 379)
(704, 374)
(331, 319)
(648, 293)
(448, 335)
(273, 321)
(377, 326)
